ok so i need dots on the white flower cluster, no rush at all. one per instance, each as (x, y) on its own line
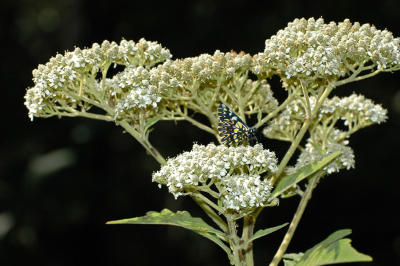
(311, 154)
(356, 107)
(75, 72)
(245, 191)
(134, 90)
(143, 53)
(205, 75)
(212, 164)
(205, 68)
(355, 110)
(311, 48)
(208, 67)
(34, 101)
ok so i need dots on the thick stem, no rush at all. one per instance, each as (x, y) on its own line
(248, 230)
(234, 242)
(295, 221)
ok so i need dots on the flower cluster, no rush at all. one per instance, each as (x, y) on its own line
(312, 154)
(207, 68)
(65, 78)
(245, 191)
(194, 74)
(134, 90)
(358, 110)
(355, 110)
(220, 165)
(312, 49)
(213, 77)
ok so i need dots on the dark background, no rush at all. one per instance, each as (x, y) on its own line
(62, 179)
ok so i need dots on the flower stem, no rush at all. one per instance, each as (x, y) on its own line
(211, 213)
(275, 112)
(248, 230)
(197, 123)
(295, 221)
(300, 135)
(145, 143)
(234, 242)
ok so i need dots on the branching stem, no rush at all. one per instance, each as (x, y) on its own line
(301, 134)
(145, 143)
(275, 112)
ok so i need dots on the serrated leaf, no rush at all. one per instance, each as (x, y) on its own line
(264, 232)
(181, 219)
(287, 181)
(332, 250)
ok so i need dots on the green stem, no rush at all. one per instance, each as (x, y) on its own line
(211, 213)
(234, 242)
(248, 230)
(196, 123)
(74, 113)
(354, 76)
(275, 112)
(300, 135)
(295, 221)
(209, 202)
(144, 142)
(308, 106)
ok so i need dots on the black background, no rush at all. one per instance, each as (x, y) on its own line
(62, 179)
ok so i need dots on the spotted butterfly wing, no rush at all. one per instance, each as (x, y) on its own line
(232, 129)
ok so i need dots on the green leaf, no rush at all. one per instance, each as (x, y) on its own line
(287, 181)
(292, 258)
(332, 250)
(181, 219)
(264, 232)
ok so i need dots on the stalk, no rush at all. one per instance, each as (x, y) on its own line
(295, 221)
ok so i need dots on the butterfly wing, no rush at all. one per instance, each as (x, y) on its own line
(230, 127)
(225, 132)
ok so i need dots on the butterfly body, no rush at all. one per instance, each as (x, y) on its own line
(232, 129)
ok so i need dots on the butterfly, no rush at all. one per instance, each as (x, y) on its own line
(232, 129)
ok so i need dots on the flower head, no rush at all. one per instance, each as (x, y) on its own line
(60, 84)
(227, 168)
(245, 191)
(222, 74)
(355, 110)
(312, 49)
(134, 90)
